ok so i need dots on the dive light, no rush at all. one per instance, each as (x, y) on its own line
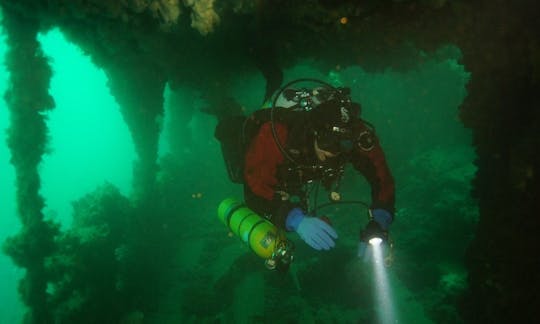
(375, 236)
(373, 233)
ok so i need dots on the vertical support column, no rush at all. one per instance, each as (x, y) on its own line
(138, 86)
(28, 100)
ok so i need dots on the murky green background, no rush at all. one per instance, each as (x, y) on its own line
(203, 273)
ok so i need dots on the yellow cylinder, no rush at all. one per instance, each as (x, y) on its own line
(261, 235)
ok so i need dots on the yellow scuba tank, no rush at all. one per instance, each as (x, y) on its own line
(265, 239)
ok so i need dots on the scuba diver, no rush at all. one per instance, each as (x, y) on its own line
(306, 138)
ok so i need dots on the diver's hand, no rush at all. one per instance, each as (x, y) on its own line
(382, 217)
(314, 231)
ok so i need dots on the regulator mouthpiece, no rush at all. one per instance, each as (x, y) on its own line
(282, 257)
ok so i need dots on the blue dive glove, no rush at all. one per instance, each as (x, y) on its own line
(382, 217)
(314, 231)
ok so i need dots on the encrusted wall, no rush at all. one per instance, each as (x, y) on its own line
(501, 50)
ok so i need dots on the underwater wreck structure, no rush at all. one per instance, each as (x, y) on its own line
(145, 45)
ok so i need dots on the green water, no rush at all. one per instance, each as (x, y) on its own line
(9, 224)
(87, 131)
(199, 273)
(89, 145)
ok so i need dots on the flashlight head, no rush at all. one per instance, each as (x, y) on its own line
(373, 233)
(375, 241)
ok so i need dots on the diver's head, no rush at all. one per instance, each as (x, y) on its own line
(329, 116)
(332, 125)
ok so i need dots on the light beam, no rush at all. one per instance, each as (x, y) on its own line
(383, 296)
